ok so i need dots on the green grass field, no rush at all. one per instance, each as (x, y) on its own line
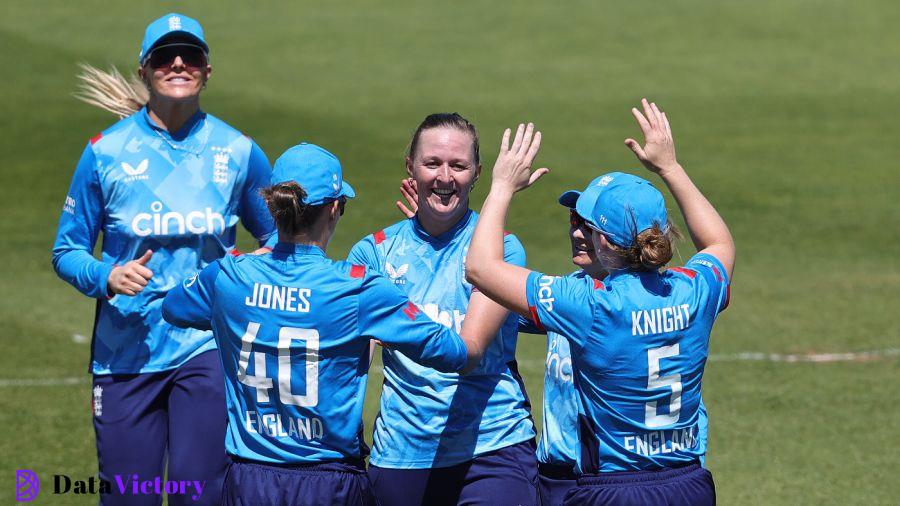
(784, 112)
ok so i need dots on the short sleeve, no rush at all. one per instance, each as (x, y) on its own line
(527, 326)
(386, 314)
(563, 305)
(190, 303)
(714, 275)
(513, 251)
(364, 253)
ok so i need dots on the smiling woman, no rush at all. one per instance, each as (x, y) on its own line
(447, 438)
(166, 187)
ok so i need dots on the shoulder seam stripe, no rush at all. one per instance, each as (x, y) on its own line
(96, 138)
(687, 272)
(379, 237)
(357, 271)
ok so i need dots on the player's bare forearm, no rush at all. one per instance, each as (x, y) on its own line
(708, 230)
(484, 318)
(485, 268)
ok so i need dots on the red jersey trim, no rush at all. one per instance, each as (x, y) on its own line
(535, 318)
(96, 138)
(357, 271)
(379, 237)
(411, 310)
(687, 272)
(598, 285)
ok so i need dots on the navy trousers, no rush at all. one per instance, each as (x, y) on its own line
(144, 422)
(507, 476)
(554, 482)
(691, 485)
(327, 484)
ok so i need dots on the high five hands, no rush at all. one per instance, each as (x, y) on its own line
(512, 170)
(658, 151)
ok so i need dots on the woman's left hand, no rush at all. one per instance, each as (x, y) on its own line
(512, 170)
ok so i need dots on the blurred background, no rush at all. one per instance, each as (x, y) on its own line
(784, 113)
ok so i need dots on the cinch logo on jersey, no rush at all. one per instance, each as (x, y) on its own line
(661, 441)
(545, 294)
(558, 367)
(450, 320)
(136, 173)
(284, 298)
(173, 222)
(271, 424)
(659, 320)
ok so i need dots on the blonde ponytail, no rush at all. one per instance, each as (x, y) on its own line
(111, 91)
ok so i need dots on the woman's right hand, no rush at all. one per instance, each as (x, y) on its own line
(131, 278)
(410, 192)
(512, 170)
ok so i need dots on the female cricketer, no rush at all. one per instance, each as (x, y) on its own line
(445, 438)
(557, 449)
(165, 186)
(293, 329)
(640, 337)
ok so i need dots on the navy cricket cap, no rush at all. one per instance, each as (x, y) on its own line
(316, 170)
(620, 206)
(171, 24)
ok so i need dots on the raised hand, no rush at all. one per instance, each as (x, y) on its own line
(131, 278)
(410, 192)
(658, 151)
(513, 166)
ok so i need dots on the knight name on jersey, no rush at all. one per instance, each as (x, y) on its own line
(660, 320)
(282, 298)
(661, 441)
(173, 222)
(273, 425)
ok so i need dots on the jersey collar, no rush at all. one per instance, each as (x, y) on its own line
(289, 248)
(446, 236)
(195, 122)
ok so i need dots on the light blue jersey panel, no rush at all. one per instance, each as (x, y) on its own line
(293, 330)
(639, 342)
(179, 195)
(559, 433)
(429, 418)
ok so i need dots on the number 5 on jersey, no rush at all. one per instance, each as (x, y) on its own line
(263, 383)
(652, 418)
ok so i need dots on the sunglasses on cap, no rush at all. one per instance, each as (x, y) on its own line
(163, 57)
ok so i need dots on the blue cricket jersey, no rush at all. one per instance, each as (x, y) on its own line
(428, 418)
(179, 195)
(293, 330)
(639, 345)
(559, 432)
